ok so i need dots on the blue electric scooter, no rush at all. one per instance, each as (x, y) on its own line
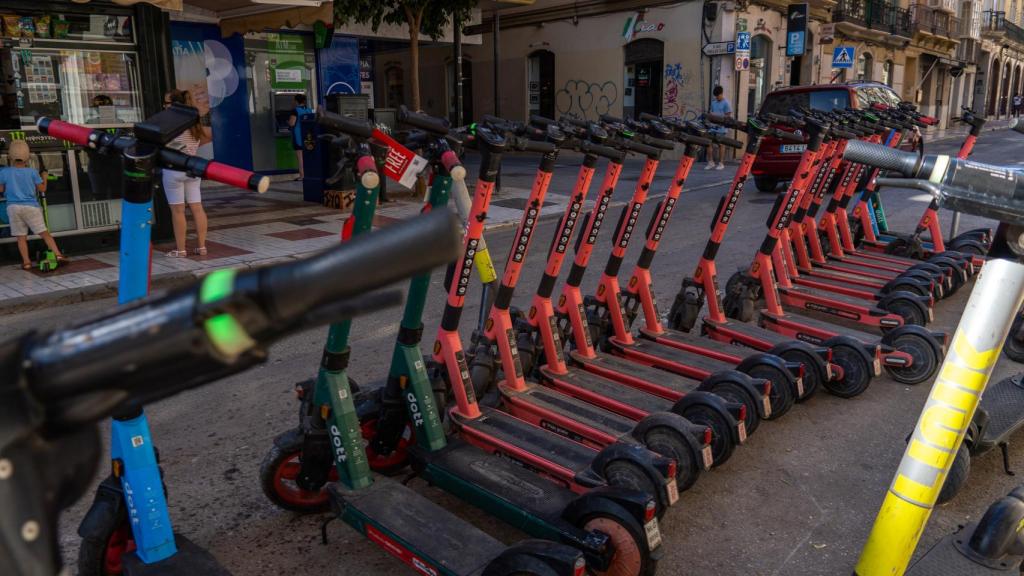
(128, 530)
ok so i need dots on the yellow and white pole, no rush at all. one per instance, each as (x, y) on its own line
(944, 420)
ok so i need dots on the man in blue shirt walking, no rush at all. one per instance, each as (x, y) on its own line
(721, 107)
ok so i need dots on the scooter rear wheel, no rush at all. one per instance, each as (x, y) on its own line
(911, 312)
(957, 476)
(814, 368)
(631, 556)
(626, 474)
(926, 359)
(736, 393)
(783, 391)
(856, 372)
(721, 426)
(666, 442)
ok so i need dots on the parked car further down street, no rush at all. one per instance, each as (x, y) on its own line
(777, 160)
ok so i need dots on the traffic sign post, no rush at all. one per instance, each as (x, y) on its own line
(843, 57)
(742, 50)
(718, 48)
(796, 29)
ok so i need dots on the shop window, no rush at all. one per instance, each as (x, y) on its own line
(644, 61)
(887, 73)
(541, 83)
(760, 70)
(865, 64)
(394, 82)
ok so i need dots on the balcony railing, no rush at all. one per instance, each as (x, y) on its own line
(936, 22)
(995, 22)
(881, 15)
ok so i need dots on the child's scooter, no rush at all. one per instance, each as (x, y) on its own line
(128, 528)
(48, 262)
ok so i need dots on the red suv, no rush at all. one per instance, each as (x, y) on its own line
(777, 161)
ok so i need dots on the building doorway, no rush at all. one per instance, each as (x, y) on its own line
(993, 88)
(540, 96)
(645, 64)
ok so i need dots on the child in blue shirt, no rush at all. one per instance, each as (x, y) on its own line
(19, 184)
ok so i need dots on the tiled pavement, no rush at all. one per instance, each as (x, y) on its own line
(246, 230)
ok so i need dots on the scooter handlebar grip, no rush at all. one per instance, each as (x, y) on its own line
(608, 152)
(880, 156)
(647, 116)
(788, 136)
(453, 165)
(542, 120)
(609, 119)
(640, 148)
(731, 142)
(422, 121)
(660, 143)
(80, 135)
(582, 123)
(237, 177)
(343, 124)
(537, 146)
(409, 248)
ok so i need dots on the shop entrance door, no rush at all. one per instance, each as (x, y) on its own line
(541, 85)
(644, 65)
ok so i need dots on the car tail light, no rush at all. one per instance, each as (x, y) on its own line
(649, 511)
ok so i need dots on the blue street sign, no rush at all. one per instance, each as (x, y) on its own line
(743, 41)
(843, 56)
(795, 44)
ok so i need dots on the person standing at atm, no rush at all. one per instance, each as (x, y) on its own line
(295, 124)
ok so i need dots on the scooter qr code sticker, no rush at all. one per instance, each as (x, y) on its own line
(138, 441)
(653, 534)
(709, 458)
(673, 491)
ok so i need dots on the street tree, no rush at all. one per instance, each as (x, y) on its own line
(429, 17)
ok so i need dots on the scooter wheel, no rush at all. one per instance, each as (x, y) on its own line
(783, 390)
(957, 476)
(626, 474)
(101, 552)
(666, 442)
(1014, 348)
(722, 428)
(926, 359)
(278, 472)
(856, 372)
(911, 287)
(733, 392)
(814, 369)
(909, 310)
(631, 557)
(387, 464)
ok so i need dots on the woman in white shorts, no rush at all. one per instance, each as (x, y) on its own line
(182, 189)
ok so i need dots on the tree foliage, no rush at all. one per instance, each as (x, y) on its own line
(427, 17)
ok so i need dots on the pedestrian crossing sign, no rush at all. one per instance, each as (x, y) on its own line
(843, 56)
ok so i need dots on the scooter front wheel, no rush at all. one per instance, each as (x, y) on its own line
(1013, 347)
(631, 556)
(626, 474)
(279, 471)
(101, 552)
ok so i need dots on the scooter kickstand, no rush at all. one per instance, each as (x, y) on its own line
(1003, 447)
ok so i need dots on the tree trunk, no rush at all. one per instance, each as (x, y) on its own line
(414, 58)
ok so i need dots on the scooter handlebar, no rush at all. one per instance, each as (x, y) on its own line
(723, 121)
(884, 157)
(423, 121)
(350, 126)
(81, 135)
(788, 136)
(731, 142)
(608, 152)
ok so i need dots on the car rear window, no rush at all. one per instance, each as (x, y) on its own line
(826, 100)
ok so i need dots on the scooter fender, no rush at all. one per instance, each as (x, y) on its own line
(535, 557)
(755, 389)
(792, 369)
(714, 402)
(693, 433)
(641, 457)
(936, 339)
(924, 284)
(611, 500)
(107, 507)
(922, 303)
(867, 350)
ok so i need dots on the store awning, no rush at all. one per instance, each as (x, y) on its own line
(285, 18)
(164, 4)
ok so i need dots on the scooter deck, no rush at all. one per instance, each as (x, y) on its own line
(702, 344)
(945, 559)
(630, 372)
(607, 392)
(566, 406)
(849, 267)
(500, 477)
(190, 559)
(691, 363)
(1004, 402)
(817, 293)
(534, 440)
(390, 511)
(837, 279)
(864, 337)
(753, 332)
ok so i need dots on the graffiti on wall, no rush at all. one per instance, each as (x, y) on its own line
(677, 82)
(587, 99)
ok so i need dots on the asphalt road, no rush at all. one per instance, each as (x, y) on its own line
(799, 498)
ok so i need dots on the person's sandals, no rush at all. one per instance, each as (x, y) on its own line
(201, 251)
(177, 254)
(26, 266)
(62, 259)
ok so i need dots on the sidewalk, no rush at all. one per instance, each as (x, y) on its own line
(959, 131)
(246, 230)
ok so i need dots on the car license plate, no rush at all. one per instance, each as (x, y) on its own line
(673, 491)
(743, 432)
(709, 459)
(793, 148)
(653, 534)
